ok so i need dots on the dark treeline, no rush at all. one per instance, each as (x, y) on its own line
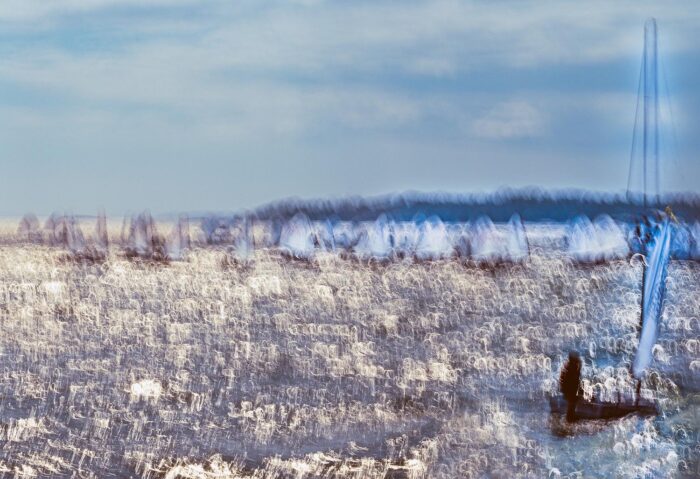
(532, 205)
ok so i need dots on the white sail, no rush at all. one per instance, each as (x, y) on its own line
(518, 247)
(602, 240)
(345, 234)
(179, 239)
(323, 234)
(101, 236)
(242, 246)
(28, 229)
(375, 241)
(461, 238)
(297, 238)
(406, 236)
(143, 239)
(658, 256)
(492, 244)
(434, 241)
(75, 240)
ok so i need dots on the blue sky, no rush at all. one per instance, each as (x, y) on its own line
(177, 105)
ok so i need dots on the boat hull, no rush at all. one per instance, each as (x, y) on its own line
(603, 410)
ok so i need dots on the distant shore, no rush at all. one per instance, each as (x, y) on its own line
(531, 204)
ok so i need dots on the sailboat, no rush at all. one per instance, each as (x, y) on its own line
(655, 241)
(653, 291)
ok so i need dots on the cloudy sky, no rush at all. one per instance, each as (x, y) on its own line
(179, 105)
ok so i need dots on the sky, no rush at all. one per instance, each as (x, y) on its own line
(180, 105)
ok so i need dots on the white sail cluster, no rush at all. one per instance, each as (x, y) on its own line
(141, 239)
(425, 240)
(375, 241)
(434, 241)
(600, 240)
(236, 235)
(65, 231)
(490, 243)
(384, 239)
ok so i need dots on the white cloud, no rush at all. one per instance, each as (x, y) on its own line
(184, 62)
(431, 36)
(510, 120)
(267, 70)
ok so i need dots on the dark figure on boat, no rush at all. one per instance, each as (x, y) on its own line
(569, 383)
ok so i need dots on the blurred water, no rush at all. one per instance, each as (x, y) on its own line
(335, 368)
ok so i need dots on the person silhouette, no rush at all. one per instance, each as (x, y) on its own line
(569, 384)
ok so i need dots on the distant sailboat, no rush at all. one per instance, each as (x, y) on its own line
(28, 229)
(179, 239)
(142, 239)
(101, 236)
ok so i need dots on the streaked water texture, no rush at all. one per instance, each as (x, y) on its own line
(211, 367)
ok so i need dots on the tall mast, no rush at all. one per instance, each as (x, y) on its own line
(648, 99)
(651, 110)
